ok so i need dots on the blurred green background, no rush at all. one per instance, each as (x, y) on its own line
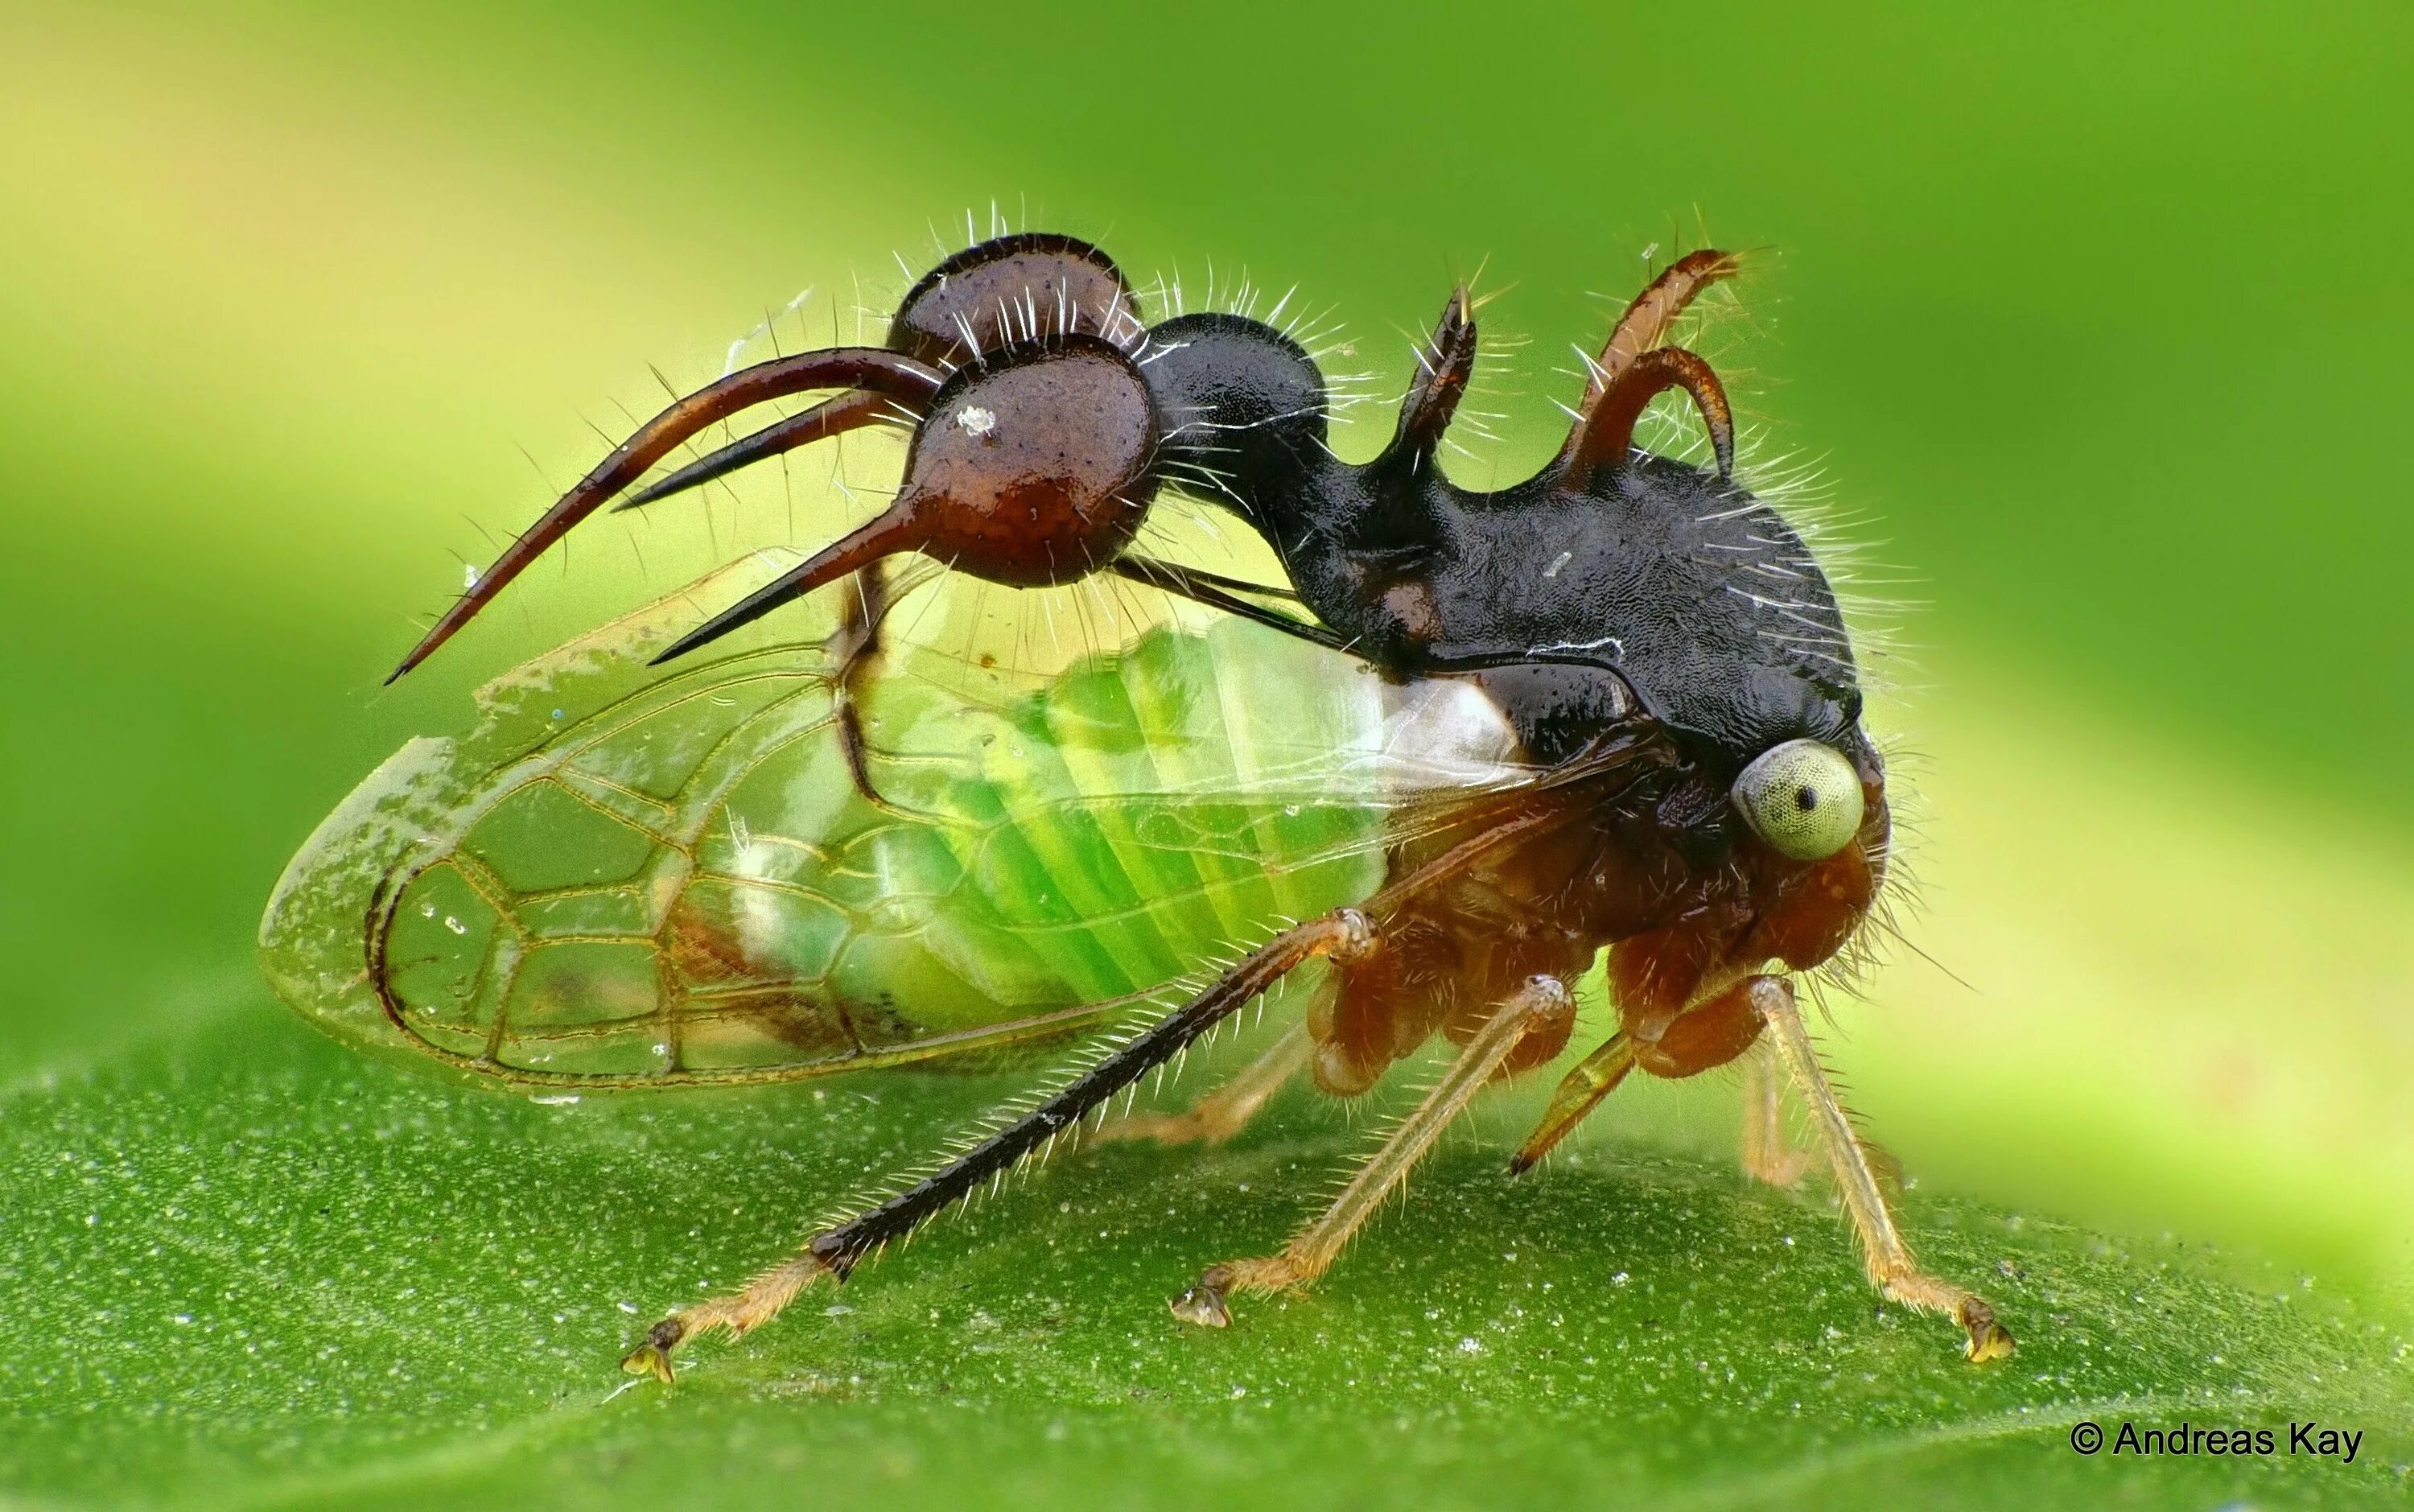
(2095, 316)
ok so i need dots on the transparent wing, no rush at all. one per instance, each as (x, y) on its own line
(622, 877)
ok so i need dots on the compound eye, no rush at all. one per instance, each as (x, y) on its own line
(1803, 798)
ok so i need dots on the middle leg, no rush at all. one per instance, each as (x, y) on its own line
(1543, 1005)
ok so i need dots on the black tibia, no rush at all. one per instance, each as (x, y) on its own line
(1617, 604)
(1349, 937)
(1346, 935)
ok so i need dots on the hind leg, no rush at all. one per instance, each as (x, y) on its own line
(1345, 934)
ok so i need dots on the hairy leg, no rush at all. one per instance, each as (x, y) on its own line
(1891, 1267)
(1345, 934)
(1766, 1155)
(1542, 1005)
(1227, 1109)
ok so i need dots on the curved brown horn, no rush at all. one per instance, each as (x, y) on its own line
(885, 535)
(1033, 470)
(865, 367)
(1443, 367)
(1606, 432)
(1647, 320)
(831, 417)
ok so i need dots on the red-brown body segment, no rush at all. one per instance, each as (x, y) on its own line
(1611, 871)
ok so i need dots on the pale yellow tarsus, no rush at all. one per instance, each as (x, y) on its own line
(741, 1312)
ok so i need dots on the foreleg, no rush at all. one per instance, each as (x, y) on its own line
(1889, 1259)
(1767, 1156)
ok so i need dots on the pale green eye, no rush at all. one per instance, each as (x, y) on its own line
(1803, 798)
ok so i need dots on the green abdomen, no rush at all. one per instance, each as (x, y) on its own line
(612, 881)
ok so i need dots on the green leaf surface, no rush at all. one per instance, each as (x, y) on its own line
(259, 1271)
